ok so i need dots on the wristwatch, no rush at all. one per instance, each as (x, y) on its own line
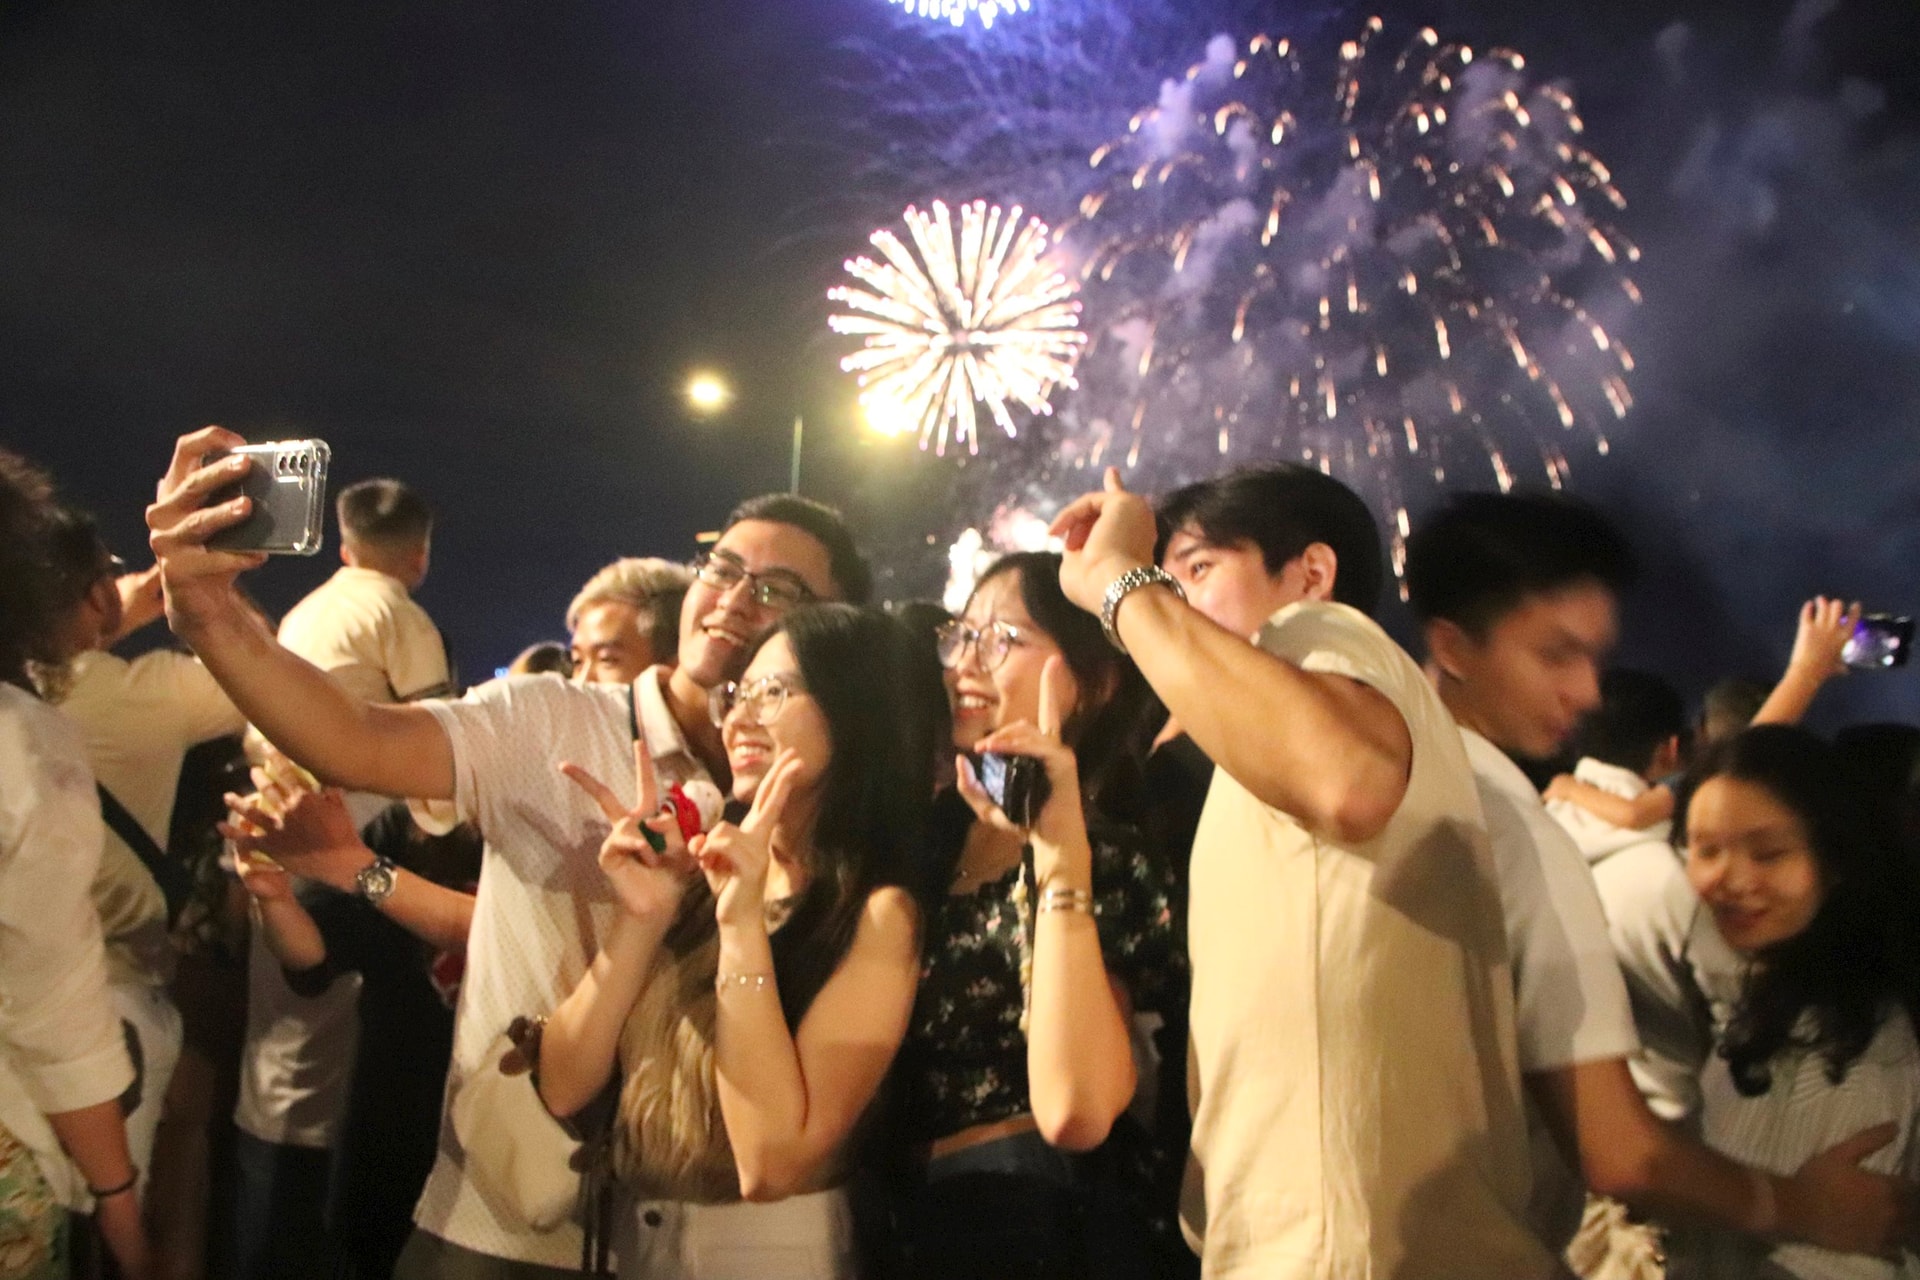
(1146, 575)
(375, 880)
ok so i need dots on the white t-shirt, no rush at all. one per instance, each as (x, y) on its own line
(1802, 1115)
(363, 629)
(1683, 980)
(1570, 1002)
(61, 1048)
(138, 719)
(543, 902)
(1356, 1091)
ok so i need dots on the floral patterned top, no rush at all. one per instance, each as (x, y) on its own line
(964, 1061)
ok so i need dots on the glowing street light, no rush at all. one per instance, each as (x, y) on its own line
(707, 394)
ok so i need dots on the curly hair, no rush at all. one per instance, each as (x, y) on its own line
(29, 582)
(1828, 988)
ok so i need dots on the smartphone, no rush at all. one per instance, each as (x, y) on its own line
(288, 485)
(1018, 784)
(1879, 641)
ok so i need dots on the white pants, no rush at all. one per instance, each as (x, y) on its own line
(155, 1020)
(807, 1237)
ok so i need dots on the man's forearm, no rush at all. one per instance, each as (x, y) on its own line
(435, 914)
(344, 740)
(1324, 749)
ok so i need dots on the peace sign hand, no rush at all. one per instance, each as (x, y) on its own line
(737, 858)
(643, 856)
(1060, 822)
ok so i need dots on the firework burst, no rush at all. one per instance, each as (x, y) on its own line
(980, 315)
(958, 11)
(1385, 267)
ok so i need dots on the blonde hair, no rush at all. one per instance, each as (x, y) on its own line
(653, 586)
(671, 1141)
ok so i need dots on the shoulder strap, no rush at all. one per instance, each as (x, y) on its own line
(633, 712)
(175, 881)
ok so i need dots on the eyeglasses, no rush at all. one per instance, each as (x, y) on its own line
(991, 644)
(761, 700)
(723, 573)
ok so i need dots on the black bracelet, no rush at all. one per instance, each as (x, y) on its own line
(133, 1179)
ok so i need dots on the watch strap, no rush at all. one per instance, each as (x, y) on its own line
(1147, 575)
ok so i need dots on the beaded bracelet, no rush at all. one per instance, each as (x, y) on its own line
(748, 981)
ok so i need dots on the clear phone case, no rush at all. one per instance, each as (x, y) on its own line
(288, 485)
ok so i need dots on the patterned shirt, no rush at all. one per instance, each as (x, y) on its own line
(965, 1058)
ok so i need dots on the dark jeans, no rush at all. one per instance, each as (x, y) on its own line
(278, 1229)
(1018, 1209)
(428, 1257)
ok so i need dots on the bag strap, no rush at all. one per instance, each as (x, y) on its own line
(175, 881)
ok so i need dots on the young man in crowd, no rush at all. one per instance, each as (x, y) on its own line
(364, 629)
(1357, 1110)
(543, 900)
(626, 619)
(1518, 597)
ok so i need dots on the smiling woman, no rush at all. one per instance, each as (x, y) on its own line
(1820, 1045)
(756, 986)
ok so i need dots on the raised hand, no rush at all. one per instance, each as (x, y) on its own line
(1106, 534)
(308, 833)
(264, 879)
(1060, 824)
(1825, 627)
(736, 859)
(179, 524)
(643, 856)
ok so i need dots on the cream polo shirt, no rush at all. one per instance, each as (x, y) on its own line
(543, 902)
(60, 1043)
(1356, 1091)
(362, 628)
(138, 719)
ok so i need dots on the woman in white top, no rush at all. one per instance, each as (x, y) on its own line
(1820, 1044)
(754, 1009)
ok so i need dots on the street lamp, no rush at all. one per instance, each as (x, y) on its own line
(708, 394)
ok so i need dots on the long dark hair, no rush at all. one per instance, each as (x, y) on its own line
(1828, 988)
(29, 582)
(1109, 737)
(881, 696)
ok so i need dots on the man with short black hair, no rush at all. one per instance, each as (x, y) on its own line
(1518, 595)
(1356, 1111)
(543, 901)
(626, 618)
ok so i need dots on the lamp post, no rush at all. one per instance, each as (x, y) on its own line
(708, 394)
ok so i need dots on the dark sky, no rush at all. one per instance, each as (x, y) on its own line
(480, 245)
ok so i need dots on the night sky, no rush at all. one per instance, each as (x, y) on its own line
(481, 245)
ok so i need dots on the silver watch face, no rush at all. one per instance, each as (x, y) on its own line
(375, 882)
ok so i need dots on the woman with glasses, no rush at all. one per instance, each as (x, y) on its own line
(1820, 1043)
(757, 984)
(1047, 931)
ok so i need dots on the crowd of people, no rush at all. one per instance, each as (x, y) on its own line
(1157, 915)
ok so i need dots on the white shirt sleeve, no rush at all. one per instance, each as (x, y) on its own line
(509, 737)
(1570, 1003)
(56, 1024)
